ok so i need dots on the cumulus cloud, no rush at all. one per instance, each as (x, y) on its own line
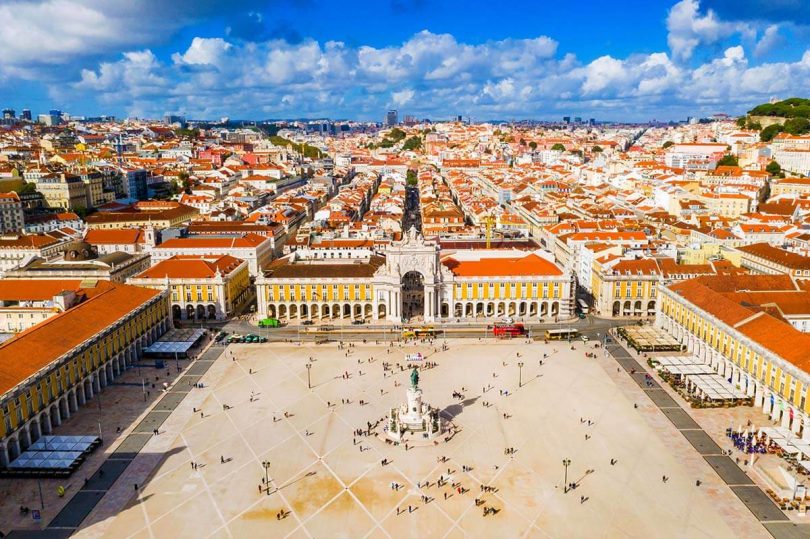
(430, 75)
(41, 33)
(770, 40)
(687, 28)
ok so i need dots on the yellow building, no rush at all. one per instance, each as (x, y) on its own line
(202, 287)
(158, 214)
(412, 280)
(720, 321)
(624, 287)
(70, 357)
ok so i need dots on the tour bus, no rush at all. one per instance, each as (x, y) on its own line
(583, 306)
(424, 331)
(269, 323)
(561, 334)
(508, 330)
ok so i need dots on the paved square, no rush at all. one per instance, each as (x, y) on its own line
(332, 483)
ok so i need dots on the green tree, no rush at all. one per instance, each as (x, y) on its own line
(411, 177)
(774, 169)
(413, 143)
(741, 121)
(597, 149)
(185, 181)
(797, 126)
(753, 125)
(667, 144)
(558, 147)
(396, 134)
(767, 134)
(522, 142)
(728, 160)
(27, 188)
(533, 145)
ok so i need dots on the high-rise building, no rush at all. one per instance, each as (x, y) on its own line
(577, 119)
(26, 114)
(172, 119)
(392, 118)
(54, 117)
(566, 119)
(9, 114)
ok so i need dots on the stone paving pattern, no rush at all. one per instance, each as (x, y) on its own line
(334, 489)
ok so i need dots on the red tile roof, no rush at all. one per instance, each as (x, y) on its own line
(528, 265)
(37, 347)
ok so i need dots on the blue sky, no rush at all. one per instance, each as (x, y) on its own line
(628, 60)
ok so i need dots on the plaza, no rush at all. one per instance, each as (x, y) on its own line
(325, 479)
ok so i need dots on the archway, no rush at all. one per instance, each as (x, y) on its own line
(200, 312)
(617, 307)
(190, 312)
(413, 295)
(212, 311)
(176, 312)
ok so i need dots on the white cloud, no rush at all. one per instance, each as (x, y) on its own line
(687, 28)
(770, 40)
(402, 97)
(431, 75)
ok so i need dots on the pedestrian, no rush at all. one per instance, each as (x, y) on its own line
(697, 483)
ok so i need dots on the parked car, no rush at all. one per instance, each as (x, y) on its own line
(307, 323)
(358, 322)
(221, 335)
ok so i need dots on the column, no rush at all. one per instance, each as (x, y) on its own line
(806, 431)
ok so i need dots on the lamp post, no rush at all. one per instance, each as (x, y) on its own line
(566, 464)
(309, 379)
(520, 374)
(266, 466)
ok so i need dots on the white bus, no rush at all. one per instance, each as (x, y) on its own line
(583, 306)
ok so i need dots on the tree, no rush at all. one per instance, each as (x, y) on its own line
(411, 177)
(27, 188)
(558, 147)
(533, 145)
(774, 169)
(185, 181)
(741, 121)
(667, 144)
(596, 149)
(767, 134)
(413, 143)
(753, 125)
(728, 160)
(396, 134)
(797, 126)
(522, 142)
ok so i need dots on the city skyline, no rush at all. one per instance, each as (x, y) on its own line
(429, 59)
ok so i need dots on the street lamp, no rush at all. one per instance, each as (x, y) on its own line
(520, 374)
(566, 463)
(309, 379)
(266, 466)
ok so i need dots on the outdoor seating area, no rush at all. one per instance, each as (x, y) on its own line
(52, 456)
(783, 443)
(648, 338)
(698, 383)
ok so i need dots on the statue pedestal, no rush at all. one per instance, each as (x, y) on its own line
(414, 417)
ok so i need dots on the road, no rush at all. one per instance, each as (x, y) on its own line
(413, 214)
(591, 327)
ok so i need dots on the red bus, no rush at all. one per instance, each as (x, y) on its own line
(508, 330)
